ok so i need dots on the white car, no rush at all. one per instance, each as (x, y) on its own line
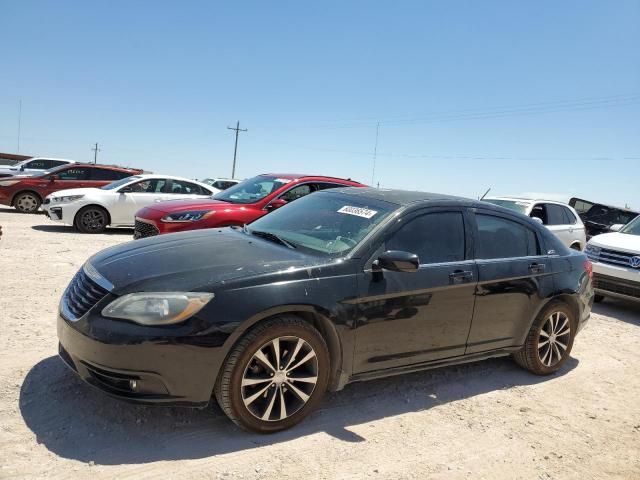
(91, 210)
(616, 262)
(558, 217)
(221, 183)
(33, 165)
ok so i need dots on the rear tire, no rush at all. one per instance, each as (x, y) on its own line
(598, 298)
(549, 342)
(91, 219)
(27, 202)
(274, 376)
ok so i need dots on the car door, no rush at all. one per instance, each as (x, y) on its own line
(72, 177)
(132, 197)
(514, 277)
(411, 318)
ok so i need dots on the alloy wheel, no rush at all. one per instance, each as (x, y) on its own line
(27, 203)
(554, 338)
(93, 220)
(280, 378)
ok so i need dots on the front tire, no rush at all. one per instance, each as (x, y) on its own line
(91, 219)
(549, 342)
(275, 376)
(27, 202)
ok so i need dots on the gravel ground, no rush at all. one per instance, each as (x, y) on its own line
(483, 420)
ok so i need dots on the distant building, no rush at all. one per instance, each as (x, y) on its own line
(11, 158)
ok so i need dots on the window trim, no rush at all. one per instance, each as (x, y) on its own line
(542, 247)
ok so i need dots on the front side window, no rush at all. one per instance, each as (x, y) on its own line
(435, 237)
(74, 173)
(297, 192)
(119, 183)
(329, 224)
(251, 190)
(38, 164)
(502, 238)
(150, 185)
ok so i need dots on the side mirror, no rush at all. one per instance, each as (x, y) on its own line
(616, 227)
(397, 261)
(125, 190)
(53, 178)
(22, 168)
(277, 203)
(538, 219)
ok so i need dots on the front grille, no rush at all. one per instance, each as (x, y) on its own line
(616, 285)
(612, 257)
(81, 294)
(144, 229)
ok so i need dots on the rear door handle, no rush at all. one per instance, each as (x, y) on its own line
(460, 276)
(537, 267)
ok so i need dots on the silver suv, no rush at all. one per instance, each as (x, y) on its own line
(32, 166)
(558, 217)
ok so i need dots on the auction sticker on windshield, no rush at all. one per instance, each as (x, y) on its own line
(357, 211)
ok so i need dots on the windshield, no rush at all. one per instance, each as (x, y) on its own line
(328, 223)
(632, 228)
(520, 207)
(251, 190)
(119, 183)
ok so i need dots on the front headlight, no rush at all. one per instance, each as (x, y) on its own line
(190, 216)
(157, 308)
(8, 183)
(67, 198)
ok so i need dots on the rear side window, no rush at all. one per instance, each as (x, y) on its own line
(73, 173)
(435, 237)
(55, 163)
(107, 174)
(570, 218)
(502, 238)
(555, 214)
(180, 187)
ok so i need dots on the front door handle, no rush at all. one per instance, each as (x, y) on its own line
(460, 276)
(537, 267)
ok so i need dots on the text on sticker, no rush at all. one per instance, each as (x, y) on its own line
(357, 211)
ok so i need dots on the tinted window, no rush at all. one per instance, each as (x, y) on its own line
(151, 185)
(569, 217)
(55, 163)
(434, 237)
(297, 192)
(74, 173)
(180, 187)
(555, 215)
(502, 238)
(222, 184)
(42, 164)
(107, 174)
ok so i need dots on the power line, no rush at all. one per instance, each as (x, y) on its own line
(95, 153)
(235, 148)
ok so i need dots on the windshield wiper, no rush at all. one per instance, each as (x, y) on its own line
(272, 237)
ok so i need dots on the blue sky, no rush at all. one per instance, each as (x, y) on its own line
(520, 96)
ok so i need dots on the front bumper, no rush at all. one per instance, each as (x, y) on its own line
(150, 371)
(617, 287)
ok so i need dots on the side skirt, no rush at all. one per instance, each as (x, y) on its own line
(445, 362)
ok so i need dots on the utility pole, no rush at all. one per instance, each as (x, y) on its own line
(19, 122)
(95, 153)
(235, 149)
(375, 153)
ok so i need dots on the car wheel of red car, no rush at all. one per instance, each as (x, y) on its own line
(92, 219)
(27, 202)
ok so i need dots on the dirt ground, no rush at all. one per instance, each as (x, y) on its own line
(483, 420)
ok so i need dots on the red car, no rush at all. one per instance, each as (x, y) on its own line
(26, 193)
(238, 205)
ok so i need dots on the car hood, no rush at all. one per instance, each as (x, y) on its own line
(76, 191)
(194, 261)
(617, 241)
(171, 206)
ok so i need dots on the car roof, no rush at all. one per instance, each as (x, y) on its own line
(94, 165)
(49, 158)
(299, 176)
(402, 197)
(529, 200)
(171, 177)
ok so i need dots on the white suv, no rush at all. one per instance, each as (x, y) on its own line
(91, 210)
(32, 166)
(616, 262)
(558, 217)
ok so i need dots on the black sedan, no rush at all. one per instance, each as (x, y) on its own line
(341, 286)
